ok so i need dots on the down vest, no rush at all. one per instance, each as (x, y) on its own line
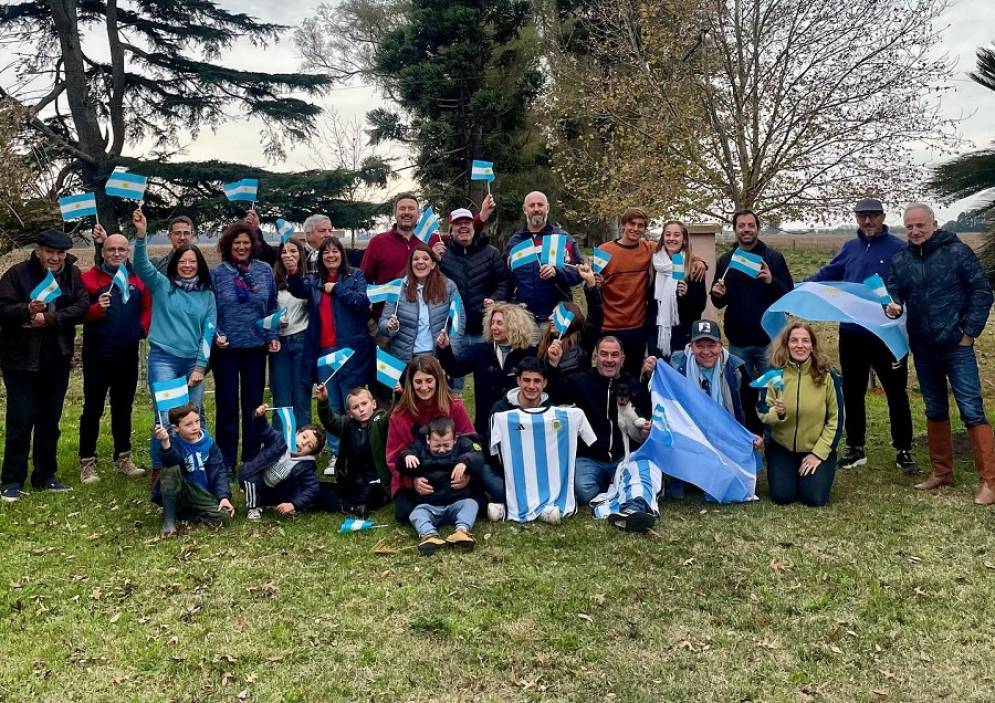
(402, 341)
(944, 290)
(479, 272)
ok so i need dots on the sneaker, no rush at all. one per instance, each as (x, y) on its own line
(461, 540)
(906, 462)
(54, 485)
(254, 514)
(551, 515)
(430, 545)
(634, 521)
(88, 470)
(330, 469)
(495, 512)
(853, 457)
(11, 493)
(124, 465)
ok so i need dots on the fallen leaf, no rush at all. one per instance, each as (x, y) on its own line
(585, 616)
(115, 617)
(880, 692)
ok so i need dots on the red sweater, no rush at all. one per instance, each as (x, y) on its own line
(400, 435)
(386, 256)
(120, 324)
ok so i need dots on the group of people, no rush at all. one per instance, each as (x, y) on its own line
(576, 397)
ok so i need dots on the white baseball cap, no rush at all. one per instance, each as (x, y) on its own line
(459, 214)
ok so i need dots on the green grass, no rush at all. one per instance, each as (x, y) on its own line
(882, 595)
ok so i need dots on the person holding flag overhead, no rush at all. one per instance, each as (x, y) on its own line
(678, 297)
(248, 328)
(118, 318)
(568, 345)
(387, 254)
(42, 300)
(866, 255)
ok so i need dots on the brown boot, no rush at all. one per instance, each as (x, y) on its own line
(983, 444)
(941, 456)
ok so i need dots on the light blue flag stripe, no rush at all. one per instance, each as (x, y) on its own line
(330, 364)
(244, 190)
(120, 281)
(599, 259)
(522, 254)
(745, 262)
(124, 184)
(774, 377)
(171, 393)
(389, 368)
(285, 230)
(455, 322)
(48, 290)
(482, 171)
(678, 262)
(428, 224)
(289, 424)
(878, 287)
(385, 292)
(74, 207)
(554, 250)
(562, 318)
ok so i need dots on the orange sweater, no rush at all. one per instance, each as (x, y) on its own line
(626, 286)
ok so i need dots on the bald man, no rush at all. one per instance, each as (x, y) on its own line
(112, 329)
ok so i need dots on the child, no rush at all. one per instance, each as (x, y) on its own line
(441, 460)
(361, 475)
(193, 482)
(277, 476)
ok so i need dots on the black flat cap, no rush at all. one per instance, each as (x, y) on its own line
(55, 239)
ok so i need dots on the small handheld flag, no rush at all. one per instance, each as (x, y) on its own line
(562, 318)
(285, 229)
(554, 250)
(482, 171)
(660, 423)
(745, 262)
(878, 287)
(74, 207)
(333, 361)
(124, 184)
(244, 190)
(171, 393)
(389, 369)
(455, 321)
(388, 292)
(207, 340)
(121, 282)
(428, 224)
(271, 321)
(599, 259)
(678, 263)
(289, 424)
(48, 290)
(522, 254)
(352, 524)
(774, 377)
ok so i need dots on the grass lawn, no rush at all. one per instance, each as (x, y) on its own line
(881, 596)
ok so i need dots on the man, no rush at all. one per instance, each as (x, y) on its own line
(36, 348)
(598, 391)
(541, 287)
(869, 253)
(939, 282)
(386, 256)
(111, 332)
(179, 232)
(317, 228)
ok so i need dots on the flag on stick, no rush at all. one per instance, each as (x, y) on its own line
(522, 254)
(244, 190)
(170, 394)
(745, 262)
(482, 171)
(455, 321)
(389, 369)
(388, 292)
(554, 250)
(285, 230)
(124, 184)
(74, 207)
(289, 424)
(428, 224)
(121, 281)
(48, 290)
(677, 260)
(599, 259)
(330, 363)
(562, 318)
(774, 378)
(271, 321)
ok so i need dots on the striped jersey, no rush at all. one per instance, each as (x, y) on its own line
(538, 448)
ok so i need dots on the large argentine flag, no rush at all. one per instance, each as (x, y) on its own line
(74, 207)
(123, 184)
(838, 302)
(707, 448)
(633, 479)
(170, 394)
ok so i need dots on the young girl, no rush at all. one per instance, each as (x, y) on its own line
(676, 304)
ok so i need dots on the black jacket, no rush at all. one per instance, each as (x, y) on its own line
(438, 469)
(577, 358)
(300, 487)
(689, 308)
(748, 298)
(479, 272)
(23, 348)
(944, 290)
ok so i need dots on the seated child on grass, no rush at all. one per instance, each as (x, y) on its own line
(277, 476)
(193, 483)
(436, 462)
(361, 475)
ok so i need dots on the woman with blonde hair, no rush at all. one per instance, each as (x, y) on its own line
(805, 416)
(676, 303)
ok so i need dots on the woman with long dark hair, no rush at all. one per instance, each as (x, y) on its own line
(289, 374)
(571, 352)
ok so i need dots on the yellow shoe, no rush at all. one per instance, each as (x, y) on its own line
(430, 545)
(461, 540)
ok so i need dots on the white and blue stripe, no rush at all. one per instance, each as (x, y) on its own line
(633, 479)
(74, 207)
(123, 184)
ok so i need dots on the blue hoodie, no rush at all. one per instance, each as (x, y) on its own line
(201, 463)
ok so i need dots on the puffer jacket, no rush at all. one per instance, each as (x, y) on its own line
(402, 340)
(479, 272)
(944, 290)
(541, 296)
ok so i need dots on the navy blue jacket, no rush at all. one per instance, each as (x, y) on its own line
(479, 272)
(438, 469)
(748, 298)
(300, 487)
(734, 377)
(944, 290)
(213, 464)
(539, 296)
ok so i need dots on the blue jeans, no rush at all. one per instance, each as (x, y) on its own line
(427, 518)
(592, 477)
(786, 486)
(959, 364)
(289, 381)
(755, 359)
(336, 401)
(163, 367)
(461, 345)
(492, 481)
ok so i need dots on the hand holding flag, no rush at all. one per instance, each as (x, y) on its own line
(677, 261)
(121, 282)
(352, 524)
(745, 262)
(482, 171)
(46, 291)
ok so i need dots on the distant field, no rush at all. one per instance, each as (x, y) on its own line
(830, 242)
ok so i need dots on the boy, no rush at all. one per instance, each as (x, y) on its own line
(193, 482)
(436, 463)
(362, 478)
(277, 476)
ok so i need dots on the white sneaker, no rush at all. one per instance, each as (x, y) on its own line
(551, 515)
(254, 514)
(495, 512)
(330, 469)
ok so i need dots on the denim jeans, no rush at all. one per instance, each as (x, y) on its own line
(592, 477)
(461, 346)
(786, 486)
(289, 381)
(336, 401)
(427, 518)
(163, 366)
(491, 480)
(959, 364)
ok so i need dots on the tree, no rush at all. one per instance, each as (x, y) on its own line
(342, 144)
(163, 75)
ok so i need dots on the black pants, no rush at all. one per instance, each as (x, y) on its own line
(633, 346)
(859, 352)
(34, 404)
(118, 374)
(239, 382)
(786, 486)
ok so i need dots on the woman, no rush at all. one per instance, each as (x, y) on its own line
(183, 318)
(572, 352)
(676, 304)
(338, 309)
(422, 310)
(424, 397)
(289, 373)
(805, 420)
(246, 294)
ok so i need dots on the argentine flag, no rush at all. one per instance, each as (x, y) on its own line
(599, 259)
(123, 184)
(745, 262)
(271, 321)
(633, 479)
(774, 377)
(428, 224)
(285, 230)
(170, 394)
(74, 207)
(455, 321)
(289, 424)
(330, 363)
(660, 423)
(388, 292)
(352, 524)
(121, 282)
(878, 288)
(522, 254)
(677, 260)
(554, 250)
(207, 341)
(482, 171)
(245, 190)
(46, 291)
(389, 369)
(562, 318)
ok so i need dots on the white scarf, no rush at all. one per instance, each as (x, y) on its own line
(665, 294)
(719, 390)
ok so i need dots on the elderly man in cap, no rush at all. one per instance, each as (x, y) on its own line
(41, 302)
(869, 253)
